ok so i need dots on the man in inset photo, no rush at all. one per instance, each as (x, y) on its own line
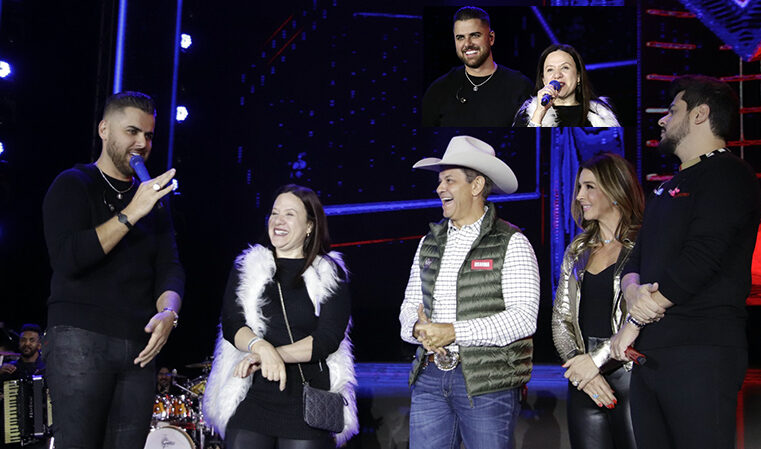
(480, 92)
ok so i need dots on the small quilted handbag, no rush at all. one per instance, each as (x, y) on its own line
(322, 409)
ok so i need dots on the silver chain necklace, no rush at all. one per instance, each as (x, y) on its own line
(118, 192)
(476, 86)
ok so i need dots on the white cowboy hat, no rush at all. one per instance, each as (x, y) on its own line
(469, 152)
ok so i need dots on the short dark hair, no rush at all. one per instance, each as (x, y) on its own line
(472, 12)
(720, 98)
(32, 328)
(471, 174)
(129, 99)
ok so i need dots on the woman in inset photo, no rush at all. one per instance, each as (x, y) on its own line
(564, 94)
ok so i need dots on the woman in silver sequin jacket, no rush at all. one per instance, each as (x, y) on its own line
(589, 307)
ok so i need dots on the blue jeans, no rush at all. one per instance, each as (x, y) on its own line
(442, 415)
(100, 399)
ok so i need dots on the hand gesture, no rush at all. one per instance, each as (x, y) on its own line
(580, 370)
(546, 90)
(159, 326)
(7, 368)
(433, 336)
(148, 193)
(271, 363)
(624, 338)
(600, 392)
(640, 303)
(250, 363)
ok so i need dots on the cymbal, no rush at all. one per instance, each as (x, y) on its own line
(9, 354)
(206, 364)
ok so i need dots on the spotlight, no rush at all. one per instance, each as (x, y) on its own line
(5, 69)
(185, 41)
(2, 148)
(182, 113)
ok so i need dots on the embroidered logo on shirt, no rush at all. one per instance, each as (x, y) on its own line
(481, 264)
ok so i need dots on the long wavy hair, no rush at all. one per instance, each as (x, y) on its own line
(584, 91)
(317, 243)
(617, 180)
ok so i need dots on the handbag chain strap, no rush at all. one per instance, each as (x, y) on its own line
(288, 326)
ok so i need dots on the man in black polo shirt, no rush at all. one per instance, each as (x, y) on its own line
(689, 276)
(116, 288)
(30, 362)
(481, 92)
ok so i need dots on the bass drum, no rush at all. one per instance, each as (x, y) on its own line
(169, 437)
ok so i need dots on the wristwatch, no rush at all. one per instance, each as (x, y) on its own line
(123, 219)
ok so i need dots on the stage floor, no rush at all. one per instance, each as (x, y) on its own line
(384, 406)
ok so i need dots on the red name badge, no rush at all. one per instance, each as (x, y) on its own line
(483, 264)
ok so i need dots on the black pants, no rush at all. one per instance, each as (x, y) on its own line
(593, 427)
(686, 397)
(244, 439)
(100, 398)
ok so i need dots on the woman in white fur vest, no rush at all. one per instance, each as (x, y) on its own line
(563, 84)
(254, 392)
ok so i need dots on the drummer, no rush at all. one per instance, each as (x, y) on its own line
(165, 382)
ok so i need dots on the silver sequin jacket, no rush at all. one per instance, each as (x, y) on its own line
(566, 332)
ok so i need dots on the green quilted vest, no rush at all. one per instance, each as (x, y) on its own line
(479, 294)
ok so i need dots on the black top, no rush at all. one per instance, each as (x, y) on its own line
(596, 304)
(697, 241)
(112, 294)
(451, 101)
(25, 370)
(266, 409)
(571, 115)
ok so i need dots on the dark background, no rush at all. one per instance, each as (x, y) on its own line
(336, 109)
(600, 34)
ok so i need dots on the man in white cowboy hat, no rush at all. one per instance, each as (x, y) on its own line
(471, 303)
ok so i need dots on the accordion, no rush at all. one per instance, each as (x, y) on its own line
(26, 410)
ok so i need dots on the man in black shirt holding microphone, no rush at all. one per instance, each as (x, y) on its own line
(117, 284)
(688, 278)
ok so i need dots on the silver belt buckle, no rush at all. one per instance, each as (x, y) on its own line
(446, 362)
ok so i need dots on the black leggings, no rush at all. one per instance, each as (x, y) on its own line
(244, 439)
(593, 427)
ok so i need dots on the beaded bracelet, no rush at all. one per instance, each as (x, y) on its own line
(630, 319)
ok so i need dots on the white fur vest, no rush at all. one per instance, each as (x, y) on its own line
(224, 392)
(600, 115)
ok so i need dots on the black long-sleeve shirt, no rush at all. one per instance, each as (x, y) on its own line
(697, 242)
(113, 294)
(451, 100)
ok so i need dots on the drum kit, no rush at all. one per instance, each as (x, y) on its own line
(178, 420)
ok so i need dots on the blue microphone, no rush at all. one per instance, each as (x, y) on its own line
(138, 164)
(546, 98)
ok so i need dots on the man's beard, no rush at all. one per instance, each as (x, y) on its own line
(478, 62)
(27, 351)
(668, 144)
(119, 159)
